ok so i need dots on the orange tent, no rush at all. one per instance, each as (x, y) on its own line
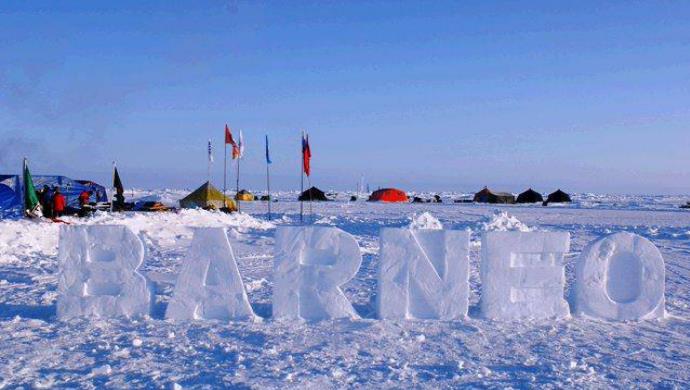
(390, 195)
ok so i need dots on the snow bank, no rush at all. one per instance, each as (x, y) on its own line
(425, 221)
(501, 221)
(22, 238)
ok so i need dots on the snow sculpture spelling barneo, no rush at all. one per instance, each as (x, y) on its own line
(209, 285)
(311, 263)
(620, 277)
(99, 274)
(423, 274)
(522, 275)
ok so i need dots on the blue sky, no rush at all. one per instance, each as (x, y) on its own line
(434, 95)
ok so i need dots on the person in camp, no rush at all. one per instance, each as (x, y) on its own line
(84, 198)
(46, 200)
(59, 203)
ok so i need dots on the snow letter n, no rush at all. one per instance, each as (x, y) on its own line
(98, 273)
(523, 276)
(311, 263)
(423, 274)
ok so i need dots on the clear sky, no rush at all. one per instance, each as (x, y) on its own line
(589, 96)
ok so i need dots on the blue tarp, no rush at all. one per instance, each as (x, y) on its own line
(10, 196)
(11, 188)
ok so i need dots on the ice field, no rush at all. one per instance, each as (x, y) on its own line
(38, 351)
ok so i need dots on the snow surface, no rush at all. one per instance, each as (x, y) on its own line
(40, 351)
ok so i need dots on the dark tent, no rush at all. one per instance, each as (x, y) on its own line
(558, 197)
(530, 196)
(312, 194)
(488, 196)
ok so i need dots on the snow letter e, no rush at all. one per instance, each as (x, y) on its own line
(311, 263)
(523, 276)
(620, 277)
(98, 273)
(209, 286)
(423, 274)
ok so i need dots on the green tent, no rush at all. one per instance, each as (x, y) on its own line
(32, 207)
(207, 197)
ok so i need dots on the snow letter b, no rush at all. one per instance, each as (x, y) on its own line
(98, 273)
(311, 263)
(209, 286)
(423, 274)
(620, 277)
(522, 275)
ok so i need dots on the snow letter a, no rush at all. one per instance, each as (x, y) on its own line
(209, 286)
(423, 274)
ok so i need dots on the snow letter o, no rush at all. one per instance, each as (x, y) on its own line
(311, 263)
(620, 277)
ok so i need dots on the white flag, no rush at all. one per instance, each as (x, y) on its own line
(240, 145)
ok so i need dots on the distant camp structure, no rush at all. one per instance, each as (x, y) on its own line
(557, 197)
(207, 197)
(530, 196)
(244, 196)
(488, 196)
(12, 192)
(313, 194)
(389, 195)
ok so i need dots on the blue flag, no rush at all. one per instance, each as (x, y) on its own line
(268, 156)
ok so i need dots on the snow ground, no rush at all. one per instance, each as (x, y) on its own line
(38, 351)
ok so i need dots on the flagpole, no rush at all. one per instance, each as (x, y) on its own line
(237, 190)
(268, 188)
(24, 187)
(225, 170)
(301, 202)
(112, 197)
(210, 156)
(268, 178)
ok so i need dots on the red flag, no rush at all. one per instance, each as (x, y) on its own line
(306, 155)
(228, 136)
